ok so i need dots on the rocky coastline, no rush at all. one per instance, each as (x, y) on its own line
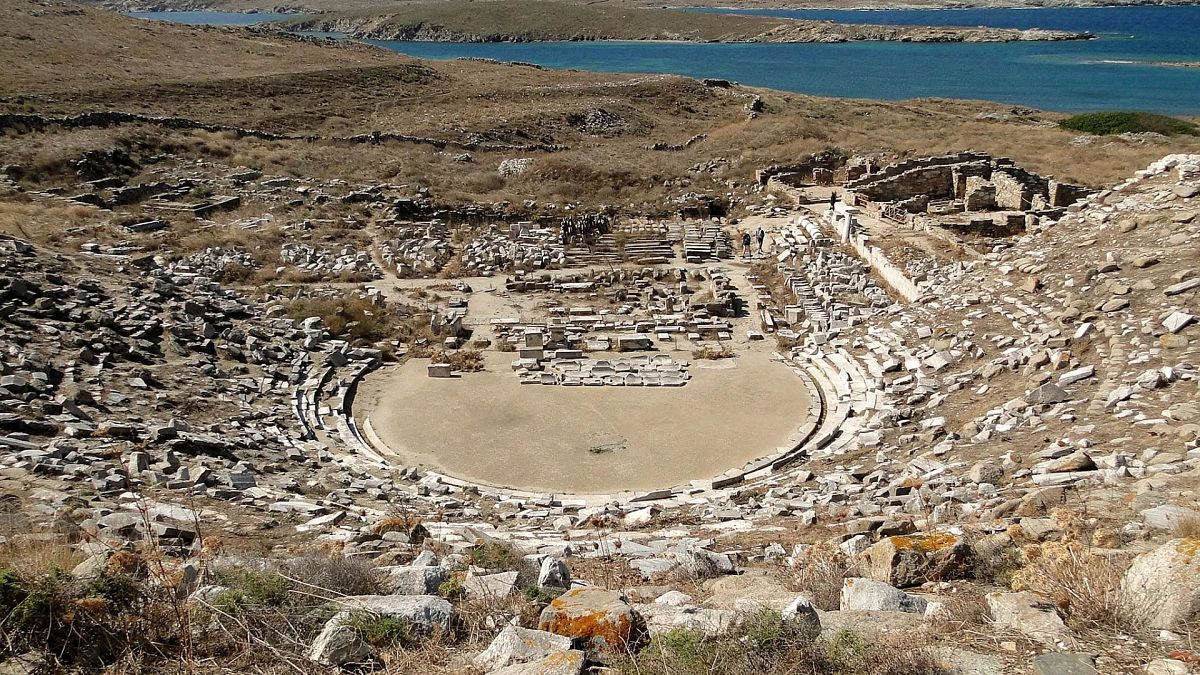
(384, 27)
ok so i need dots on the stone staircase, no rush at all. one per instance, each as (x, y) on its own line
(705, 242)
(603, 251)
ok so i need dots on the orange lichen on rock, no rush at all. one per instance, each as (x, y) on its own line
(1188, 547)
(924, 543)
(599, 618)
(910, 560)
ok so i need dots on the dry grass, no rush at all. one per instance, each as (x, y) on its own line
(352, 315)
(707, 353)
(35, 552)
(39, 222)
(466, 360)
(1085, 585)
(1187, 527)
(819, 573)
(333, 576)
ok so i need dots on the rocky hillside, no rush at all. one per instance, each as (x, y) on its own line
(540, 21)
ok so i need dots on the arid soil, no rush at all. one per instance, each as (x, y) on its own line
(488, 428)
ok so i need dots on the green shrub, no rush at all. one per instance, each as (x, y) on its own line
(452, 588)
(1108, 123)
(250, 587)
(380, 631)
(849, 650)
(541, 596)
(494, 555)
(765, 643)
(73, 623)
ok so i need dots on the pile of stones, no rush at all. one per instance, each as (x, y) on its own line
(340, 262)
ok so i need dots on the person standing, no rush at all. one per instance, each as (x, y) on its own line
(761, 236)
(832, 200)
(745, 243)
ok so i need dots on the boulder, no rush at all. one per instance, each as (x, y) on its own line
(703, 564)
(424, 559)
(802, 610)
(407, 580)
(554, 573)
(1167, 667)
(559, 663)
(911, 560)
(520, 645)
(860, 594)
(660, 618)
(498, 585)
(338, 644)
(1029, 615)
(1047, 394)
(1167, 579)
(870, 624)
(1076, 461)
(1065, 664)
(599, 619)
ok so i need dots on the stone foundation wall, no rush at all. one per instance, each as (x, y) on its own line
(936, 182)
(979, 194)
(894, 170)
(1062, 195)
(1011, 193)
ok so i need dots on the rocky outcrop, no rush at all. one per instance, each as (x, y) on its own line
(434, 27)
(23, 123)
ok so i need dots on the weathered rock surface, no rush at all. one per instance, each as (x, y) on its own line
(520, 645)
(860, 594)
(1166, 582)
(909, 560)
(1029, 615)
(601, 619)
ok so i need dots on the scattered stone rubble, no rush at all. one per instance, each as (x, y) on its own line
(1059, 366)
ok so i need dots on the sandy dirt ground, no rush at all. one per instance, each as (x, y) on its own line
(489, 428)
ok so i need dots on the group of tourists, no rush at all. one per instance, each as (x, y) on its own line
(585, 228)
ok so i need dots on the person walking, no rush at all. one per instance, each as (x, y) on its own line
(761, 236)
(745, 243)
(832, 200)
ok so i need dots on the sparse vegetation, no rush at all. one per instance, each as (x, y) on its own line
(381, 631)
(347, 315)
(766, 643)
(495, 555)
(464, 360)
(1085, 585)
(77, 623)
(708, 353)
(819, 573)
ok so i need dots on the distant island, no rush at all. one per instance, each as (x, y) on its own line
(391, 6)
(545, 21)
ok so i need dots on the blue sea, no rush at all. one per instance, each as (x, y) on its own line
(1120, 70)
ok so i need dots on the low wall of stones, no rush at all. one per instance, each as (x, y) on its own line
(895, 170)
(23, 123)
(873, 256)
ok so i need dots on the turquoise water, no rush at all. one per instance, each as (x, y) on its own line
(1115, 71)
